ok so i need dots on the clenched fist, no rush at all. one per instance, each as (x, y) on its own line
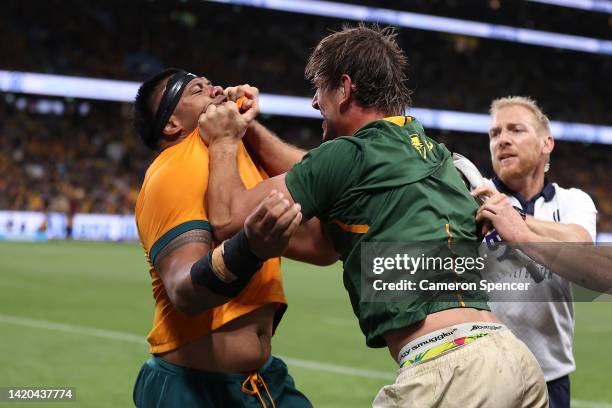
(271, 225)
(497, 211)
(251, 104)
(223, 123)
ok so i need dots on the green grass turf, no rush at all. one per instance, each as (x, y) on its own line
(106, 286)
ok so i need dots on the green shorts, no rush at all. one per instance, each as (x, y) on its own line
(161, 384)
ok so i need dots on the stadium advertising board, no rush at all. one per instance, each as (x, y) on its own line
(38, 226)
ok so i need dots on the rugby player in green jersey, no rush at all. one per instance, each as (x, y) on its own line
(378, 178)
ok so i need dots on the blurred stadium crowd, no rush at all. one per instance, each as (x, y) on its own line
(68, 163)
(89, 160)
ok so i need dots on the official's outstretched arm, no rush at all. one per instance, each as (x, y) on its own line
(542, 231)
(577, 259)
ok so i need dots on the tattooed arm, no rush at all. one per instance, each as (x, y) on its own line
(173, 264)
(188, 269)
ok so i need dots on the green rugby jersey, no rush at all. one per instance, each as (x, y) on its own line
(388, 182)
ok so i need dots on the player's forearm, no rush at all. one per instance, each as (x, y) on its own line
(174, 268)
(309, 244)
(192, 299)
(547, 231)
(270, 151)
(583, 264)
(225, 271)
(224, 188)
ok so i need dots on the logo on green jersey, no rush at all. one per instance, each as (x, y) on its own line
(416, 142)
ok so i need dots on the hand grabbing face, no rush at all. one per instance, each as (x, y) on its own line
(250, 104)
(222, 124)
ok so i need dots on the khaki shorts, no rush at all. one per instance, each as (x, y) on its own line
(495, 371)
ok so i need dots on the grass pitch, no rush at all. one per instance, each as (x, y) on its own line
(76, 314)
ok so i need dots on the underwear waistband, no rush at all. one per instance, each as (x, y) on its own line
(439, 341)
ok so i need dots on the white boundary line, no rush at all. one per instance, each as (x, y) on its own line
(338, 369)
(307, 364)
(132, 338)
(69, 328)
(589, 404)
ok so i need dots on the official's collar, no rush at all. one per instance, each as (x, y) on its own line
(548, 191)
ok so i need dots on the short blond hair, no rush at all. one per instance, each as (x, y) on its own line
(526, 102)
(529, 103)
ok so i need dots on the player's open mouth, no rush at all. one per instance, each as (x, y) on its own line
(219, 100)
(506, 158)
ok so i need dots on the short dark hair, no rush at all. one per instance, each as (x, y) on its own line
(372, 58)
(143, 112)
